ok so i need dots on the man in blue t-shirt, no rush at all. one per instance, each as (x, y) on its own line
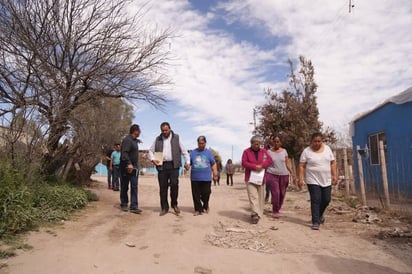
(203, 164)
(115, 163)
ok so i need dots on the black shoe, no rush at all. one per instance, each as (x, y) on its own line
(163, 212)
(135, 210)
(177, 210)
(124, 208)
(322, 220)
(315, 227)
(255, 218)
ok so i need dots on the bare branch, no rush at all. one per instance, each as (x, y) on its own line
(57, 55)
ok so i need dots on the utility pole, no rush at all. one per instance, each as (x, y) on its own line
(351, 6)
(254, 120)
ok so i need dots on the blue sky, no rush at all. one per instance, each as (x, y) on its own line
(225, 53)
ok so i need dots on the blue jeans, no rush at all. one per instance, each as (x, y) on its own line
(116, 177)
(125, 180)
(319, 200)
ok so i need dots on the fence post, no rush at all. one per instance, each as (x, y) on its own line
(335, 187)
(361, 179)
(295, 171)
(345, 168)
(384, 174)
(351, 179)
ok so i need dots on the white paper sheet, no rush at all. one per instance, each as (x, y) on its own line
(159, 157)
(256, 177)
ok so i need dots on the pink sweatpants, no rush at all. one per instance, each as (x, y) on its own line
(277, 185)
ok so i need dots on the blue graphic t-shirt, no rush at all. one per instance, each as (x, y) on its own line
(201, 161)
(116, 157)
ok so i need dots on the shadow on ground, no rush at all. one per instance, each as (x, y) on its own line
(336, 265)
(235, 215)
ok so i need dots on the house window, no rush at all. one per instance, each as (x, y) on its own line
(374, 147)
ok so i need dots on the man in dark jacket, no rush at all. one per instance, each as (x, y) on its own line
(165, 154)
(129, 170)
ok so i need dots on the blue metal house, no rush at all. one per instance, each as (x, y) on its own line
(390, 122)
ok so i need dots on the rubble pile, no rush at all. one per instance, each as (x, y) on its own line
(236, 236)
(396, 232)
(366, 215)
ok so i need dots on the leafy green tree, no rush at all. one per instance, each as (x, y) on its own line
(94, 126)
(216, 154)
(293, 114)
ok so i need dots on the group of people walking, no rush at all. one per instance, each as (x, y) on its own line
(166, 155)
(317, 168)
(269, 167)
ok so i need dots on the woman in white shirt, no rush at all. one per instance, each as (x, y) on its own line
(317, 163)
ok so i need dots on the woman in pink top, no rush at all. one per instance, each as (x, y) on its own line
(256, 159)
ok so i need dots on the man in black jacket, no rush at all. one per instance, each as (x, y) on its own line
(129, 170)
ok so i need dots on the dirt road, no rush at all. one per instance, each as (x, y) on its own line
(102, 239)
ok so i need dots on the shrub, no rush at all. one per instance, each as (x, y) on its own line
(56, 202)
(7, 174)
(26, 202)
(16, 213)
(91, 196)
(4, 254)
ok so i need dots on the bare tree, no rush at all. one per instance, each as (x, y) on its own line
(58, 55)
(293, 114)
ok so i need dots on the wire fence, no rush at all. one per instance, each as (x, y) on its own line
(388, 184)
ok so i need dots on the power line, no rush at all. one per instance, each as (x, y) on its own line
(338, 19)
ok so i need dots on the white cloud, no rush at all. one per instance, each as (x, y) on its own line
(217, 81)
(360, 58)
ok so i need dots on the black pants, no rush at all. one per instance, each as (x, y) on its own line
(201, 191)
(231, 179)
(319, 200)
(168, 176)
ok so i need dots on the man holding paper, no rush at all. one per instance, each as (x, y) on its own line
(255, 160)
(165, 154)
